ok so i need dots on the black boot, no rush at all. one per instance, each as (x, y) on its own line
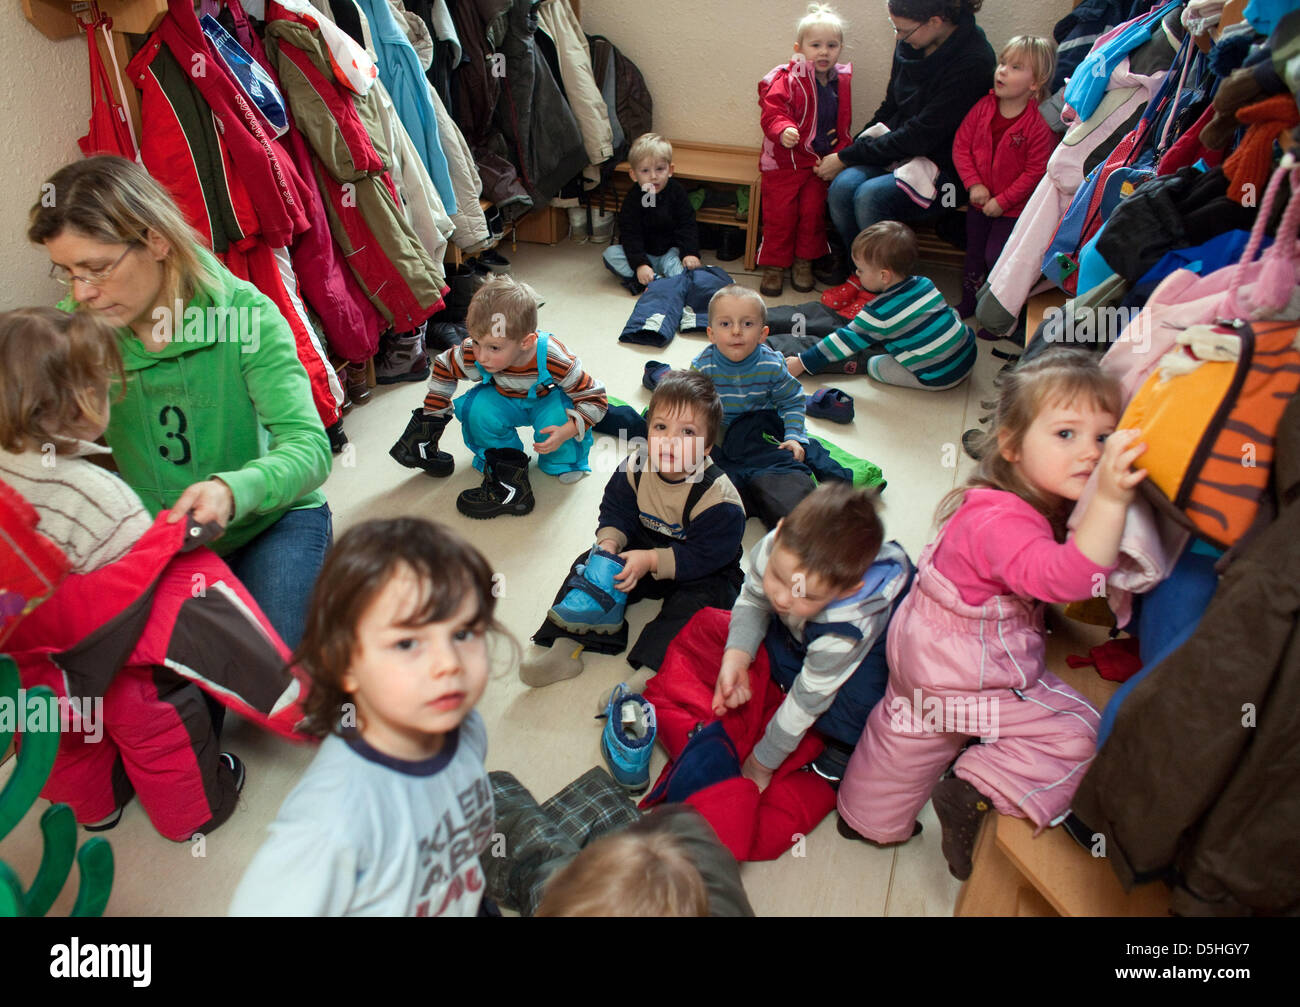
(505, 488)
(833, 268)
(338, 439)
(417, 448)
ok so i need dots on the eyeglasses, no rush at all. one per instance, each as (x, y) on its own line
(66, 276)
(904, 38)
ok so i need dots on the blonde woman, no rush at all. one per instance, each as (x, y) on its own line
(216, 417)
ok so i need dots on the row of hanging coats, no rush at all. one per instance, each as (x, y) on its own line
(318, 159)
(1170, 215)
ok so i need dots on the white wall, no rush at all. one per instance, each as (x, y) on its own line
(703, 60)
(45, 94)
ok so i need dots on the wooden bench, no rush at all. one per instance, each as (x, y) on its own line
(1016, 874)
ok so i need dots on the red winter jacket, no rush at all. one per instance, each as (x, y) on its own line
(1013, 171)
(752, 825)
(166, 603)
(787, 97)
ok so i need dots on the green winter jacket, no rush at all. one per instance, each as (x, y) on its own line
(227, 399)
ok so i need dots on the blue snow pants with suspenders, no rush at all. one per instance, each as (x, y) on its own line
(489, 419)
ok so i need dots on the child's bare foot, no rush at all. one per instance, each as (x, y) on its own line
(961, 808)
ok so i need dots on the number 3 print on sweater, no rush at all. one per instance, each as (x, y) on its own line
(164, 417)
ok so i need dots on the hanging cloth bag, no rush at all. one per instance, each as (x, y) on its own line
(110, 130)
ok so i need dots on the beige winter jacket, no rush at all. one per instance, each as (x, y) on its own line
(556, 18)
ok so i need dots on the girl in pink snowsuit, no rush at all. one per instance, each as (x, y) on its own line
(966, 648)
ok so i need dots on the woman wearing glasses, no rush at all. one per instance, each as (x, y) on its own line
(943, 64)
(216, 417)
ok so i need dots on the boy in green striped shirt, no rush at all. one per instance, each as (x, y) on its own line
(914, 338)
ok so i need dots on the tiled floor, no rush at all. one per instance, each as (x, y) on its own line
(548, 737)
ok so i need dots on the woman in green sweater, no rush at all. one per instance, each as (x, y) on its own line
(216, 416)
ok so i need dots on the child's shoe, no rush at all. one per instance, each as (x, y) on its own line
(593, 604)
(236, 766)
(653, 373)
(494, 260)
(961, 808)
(357, 385)
(801, 276)
(628, 739)
(830, 404)
(547, 665)
(505, 488)
(402, 358)
(849, 832)
(837, 298)
(338, 439)
(417, 448)
(773, 281)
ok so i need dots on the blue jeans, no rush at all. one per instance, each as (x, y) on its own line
(489, 419)
(862, 196)
(279, 567)
(668, 264)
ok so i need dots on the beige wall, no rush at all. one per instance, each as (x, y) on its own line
(703, 60)
(45, 95)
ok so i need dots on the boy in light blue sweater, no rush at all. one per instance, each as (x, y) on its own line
(759, 396)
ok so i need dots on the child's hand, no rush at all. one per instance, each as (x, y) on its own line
(756, 771)
(795, 366)
(206, 501)
(992, 208)
(636, 564)
(829, 167)
(732, 689)
(557, 436)
(692, 262)
(1116, 479)
(979, 194)
(789, 136)
(644, 274)
(795, 448)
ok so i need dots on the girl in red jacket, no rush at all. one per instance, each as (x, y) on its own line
(806, 113)
(1001, 151)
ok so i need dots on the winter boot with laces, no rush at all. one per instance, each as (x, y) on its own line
(417, 448)
(593, 604)
(629, 738)
(505, 488)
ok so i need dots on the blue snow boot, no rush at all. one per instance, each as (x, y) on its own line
(628, 738)
(593, 604)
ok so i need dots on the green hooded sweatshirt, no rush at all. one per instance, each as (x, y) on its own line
(226, 399)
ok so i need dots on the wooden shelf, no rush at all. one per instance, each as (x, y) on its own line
(721, 165)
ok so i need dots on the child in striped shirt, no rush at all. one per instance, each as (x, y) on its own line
(56, 370)
(820, 592)
(759, 398)
(908, 333)
(522, 377)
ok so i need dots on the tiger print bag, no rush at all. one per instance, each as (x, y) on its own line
(1228, 363)
(1209, 416)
